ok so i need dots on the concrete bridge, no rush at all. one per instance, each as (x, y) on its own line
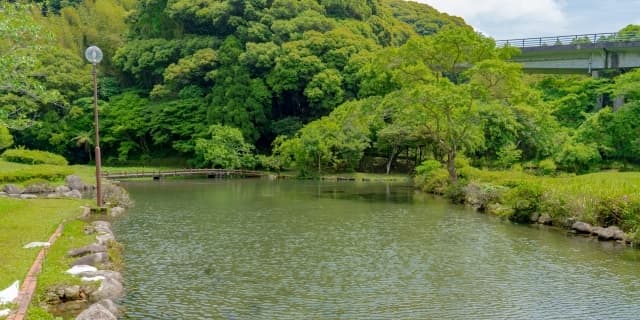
(585, 53)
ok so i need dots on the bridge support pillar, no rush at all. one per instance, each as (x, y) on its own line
(618, 103)
(600, 99)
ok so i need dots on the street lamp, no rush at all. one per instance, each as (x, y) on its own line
(94, 55)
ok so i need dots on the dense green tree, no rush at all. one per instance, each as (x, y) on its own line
(224, 147)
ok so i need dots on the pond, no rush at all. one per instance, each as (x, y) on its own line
(257, 249)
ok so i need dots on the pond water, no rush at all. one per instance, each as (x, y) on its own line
(257, 249)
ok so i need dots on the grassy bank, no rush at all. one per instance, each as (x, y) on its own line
(53, 270)
(24, 221)
(604, 198)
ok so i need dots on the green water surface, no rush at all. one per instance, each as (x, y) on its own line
(256, 249)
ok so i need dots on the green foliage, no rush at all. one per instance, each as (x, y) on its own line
(547, 167)
(508, 155)
(523, 199)
(6, 139)
(578, 157)
(428, 166)
(225, 148)
(33, 157)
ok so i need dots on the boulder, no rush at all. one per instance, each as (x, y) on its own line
(545, 219)
(116, 211)
(534, 217)
(74, 194)
(104, 239)
(610, 233)
(53, 195)
(39, 187)
(72, 292)
(96, 312)
(569, 222)
(75, 183)
(3, 194)
(604, 234)
(62, 189)
(92, 248)
(92, 259)
(28, 196)
(11, 189)
(110, 305)
(102, 227)
(618, 234)
(109, 289)
(582, 227)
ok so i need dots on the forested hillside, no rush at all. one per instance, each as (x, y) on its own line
(315, 85)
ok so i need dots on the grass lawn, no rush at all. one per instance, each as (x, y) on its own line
(55, 265)
(607, 184)
(24, 221)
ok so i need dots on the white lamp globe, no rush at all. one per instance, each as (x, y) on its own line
(93, 54)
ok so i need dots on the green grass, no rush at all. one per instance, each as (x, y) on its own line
(603, 198)
(56, 263)
(24, 221)
(589, 186)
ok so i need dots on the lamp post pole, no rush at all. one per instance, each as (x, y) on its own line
(98, 156)
(94, 55)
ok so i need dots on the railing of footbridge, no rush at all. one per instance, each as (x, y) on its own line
(569, 40)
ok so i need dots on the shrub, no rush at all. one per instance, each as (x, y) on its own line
(620, 211)
(33, 157)
(547, 167)
(44, 172)
(436, 181)
(481, 195)
(428, 166)
(456, 192)
(578, 157)
(508, 155)
(525, 198)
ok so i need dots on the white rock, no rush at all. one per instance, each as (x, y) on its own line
(37, 245)
(75, 270)
(28, 196)
(90, 279)
(5, 312)
(11, 293)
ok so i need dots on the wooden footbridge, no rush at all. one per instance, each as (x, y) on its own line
(209, 173)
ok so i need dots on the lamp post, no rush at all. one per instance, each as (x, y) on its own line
(94, 55)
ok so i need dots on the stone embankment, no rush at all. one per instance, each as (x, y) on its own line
(93, 264)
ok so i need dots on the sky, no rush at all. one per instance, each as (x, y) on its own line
(512, 19)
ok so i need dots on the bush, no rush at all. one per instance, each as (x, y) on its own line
(44, 172)
(578, 157)
(481, 195)
(525, 198)
(508, 155)
(435, 181)
(619, 211)
(547, 167)
(456, 192)
(33, 157)
(426, 167)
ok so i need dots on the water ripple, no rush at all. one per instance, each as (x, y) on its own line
(296, 250)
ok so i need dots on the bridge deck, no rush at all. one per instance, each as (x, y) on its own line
(184, 173)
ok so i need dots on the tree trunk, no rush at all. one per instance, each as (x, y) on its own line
(391, 157)
(451, 166)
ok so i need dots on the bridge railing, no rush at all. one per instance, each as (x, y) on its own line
(569, 40)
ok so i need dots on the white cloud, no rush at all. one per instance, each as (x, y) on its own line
(508, 18)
